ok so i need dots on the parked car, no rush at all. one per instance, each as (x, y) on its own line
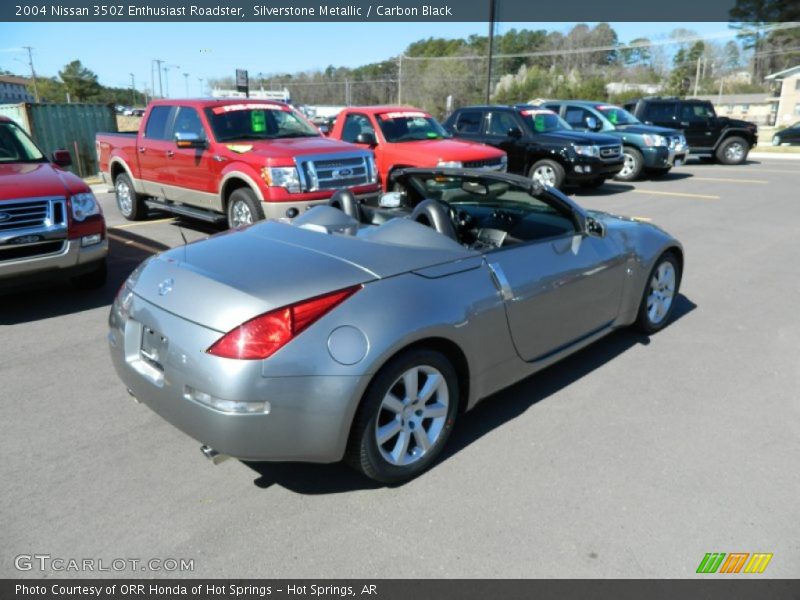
(229, 159)
(540, 144)
(404, 136)
(709, 136)
(374, 327)
(51, 225)
(646, 148)
(790, 135)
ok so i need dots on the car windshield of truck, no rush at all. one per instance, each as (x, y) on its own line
(617, 115)
(410, 126)
(251, 121)
(541, 120)
(16, 146)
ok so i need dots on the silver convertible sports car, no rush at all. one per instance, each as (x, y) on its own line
(362, 331)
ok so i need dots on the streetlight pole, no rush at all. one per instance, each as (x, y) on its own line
(158, 63)
(400, 79)
(166, 76)
(200, 81)
(186, 80)
(33, 72)
(133, 89)
(491, 44)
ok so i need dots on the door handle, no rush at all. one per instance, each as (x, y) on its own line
(170, 154)
(684, 123)
(501, 281)
(142, 149)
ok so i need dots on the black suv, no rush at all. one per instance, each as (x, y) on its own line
(540, 144)
(708, 136)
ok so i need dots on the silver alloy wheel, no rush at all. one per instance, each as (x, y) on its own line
(545, 175)
(661, 293)
(124, 197)
(241, 214)
(628, 165)
(412, 415)
(735, 152)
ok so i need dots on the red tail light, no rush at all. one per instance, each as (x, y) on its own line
(261, 337)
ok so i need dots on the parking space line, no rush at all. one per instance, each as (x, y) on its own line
(729, 180)
(677, 194)
(126, 225)
(133, 243)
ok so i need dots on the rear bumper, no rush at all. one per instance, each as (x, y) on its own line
(72, 259)
(307, 419)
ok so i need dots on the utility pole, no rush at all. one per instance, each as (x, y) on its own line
(491, 44)
(133, 89)
(400, 79)
(158, 63)
(186, 79)
(200, 81)
(33, 72)
(697, 78)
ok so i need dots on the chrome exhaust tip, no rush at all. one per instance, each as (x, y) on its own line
(212, 455)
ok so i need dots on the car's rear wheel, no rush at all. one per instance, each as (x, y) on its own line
(405, 417)
(660, 294)
(130, 204)
(733, 151)
(632, 165)
(243, 208)
(548, 172)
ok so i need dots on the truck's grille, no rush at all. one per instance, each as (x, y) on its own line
(610, 151)
(334, 171)
(494, 164)
(32, 227)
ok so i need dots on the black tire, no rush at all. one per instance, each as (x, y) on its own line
(733, 151)
(365, 454)
(130, 204)
(547, 169)
(96, 278)
(593, 183)
(243, 208)
(637, 164)
(644, 320)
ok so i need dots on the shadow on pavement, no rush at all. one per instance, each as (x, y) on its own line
(57, 298)
(490, 414)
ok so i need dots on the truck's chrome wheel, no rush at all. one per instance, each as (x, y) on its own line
(412, 415)
(735, 152)
(661, 292)
(628, 165)
(124, 198)
(545, 175)
(241, 214)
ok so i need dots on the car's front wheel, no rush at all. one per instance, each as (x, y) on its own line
(243, 208)
(548, 172)
(660, 294)
(405, 417)
(632, 165)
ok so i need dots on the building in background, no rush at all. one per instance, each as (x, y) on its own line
(788, 110)
(279, 95)
(757, 108)
(14, 90)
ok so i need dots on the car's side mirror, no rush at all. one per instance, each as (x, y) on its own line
(366, 138)
(189, 139)
(515, 132)
(62, 158)
(592, 123)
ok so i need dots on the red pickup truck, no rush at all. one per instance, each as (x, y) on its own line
(234, 159)
(403, 136)
(50, 222)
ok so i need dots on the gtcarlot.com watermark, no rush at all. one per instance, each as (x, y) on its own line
(59, 564)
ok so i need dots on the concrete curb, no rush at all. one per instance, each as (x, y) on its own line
(775, 155)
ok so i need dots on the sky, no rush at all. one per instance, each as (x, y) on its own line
(211, 50)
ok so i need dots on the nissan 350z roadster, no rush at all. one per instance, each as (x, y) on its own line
(362, 331)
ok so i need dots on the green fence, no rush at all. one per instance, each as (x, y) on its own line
(70, 127)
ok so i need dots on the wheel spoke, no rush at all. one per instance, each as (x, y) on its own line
(434, 411)
(411, 383)
(431, 386)
(401, 447)
(421, 436)
(388, 431)
(393, 403)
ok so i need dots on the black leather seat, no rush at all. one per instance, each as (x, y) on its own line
(347, 202)
(435, 215)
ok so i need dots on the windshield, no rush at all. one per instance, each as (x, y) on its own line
(541, 120)
(617, 115)
(16, 146)
(252, 121)
(410, 126)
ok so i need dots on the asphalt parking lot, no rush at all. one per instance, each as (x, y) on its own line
(633, 458)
